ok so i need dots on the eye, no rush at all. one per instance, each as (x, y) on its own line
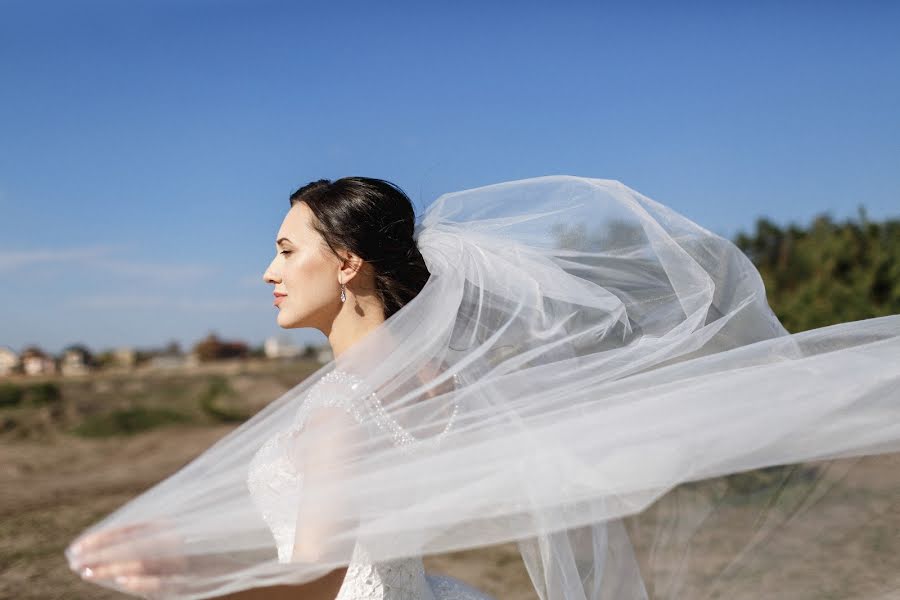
(285, 252)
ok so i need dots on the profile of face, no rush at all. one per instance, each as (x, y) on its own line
(306, 272)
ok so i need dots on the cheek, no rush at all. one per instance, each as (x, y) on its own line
(307, 280)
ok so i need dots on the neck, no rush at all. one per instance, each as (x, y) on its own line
(352, 324)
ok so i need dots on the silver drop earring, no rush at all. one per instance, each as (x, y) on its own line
(343, 293)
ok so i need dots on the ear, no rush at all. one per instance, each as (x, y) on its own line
(349, 266)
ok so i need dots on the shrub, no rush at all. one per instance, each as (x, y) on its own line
(41, 394)
(210, 402)
(10, 395)
(128, 422)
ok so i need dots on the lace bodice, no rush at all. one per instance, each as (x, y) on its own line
(275, 486)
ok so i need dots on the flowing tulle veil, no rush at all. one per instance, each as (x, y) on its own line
(608, 387)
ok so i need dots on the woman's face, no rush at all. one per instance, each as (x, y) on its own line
(305, 271)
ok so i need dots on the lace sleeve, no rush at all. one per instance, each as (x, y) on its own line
(326, 453)
(366, 408)
(337, 416)
(287, 471)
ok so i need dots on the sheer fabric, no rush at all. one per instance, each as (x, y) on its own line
(277, 476)
(586, 372)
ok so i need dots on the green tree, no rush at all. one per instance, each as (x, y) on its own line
(828, 272)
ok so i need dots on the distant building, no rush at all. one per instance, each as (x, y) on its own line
(170, 357)
(76, 360)
(280, 347)
(167, 361)
(324, 355)
(9, 361)
(125, 357)
(36, 362)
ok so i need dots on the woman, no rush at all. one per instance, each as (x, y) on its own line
(345, 261)
(559, 361)
(355, 234)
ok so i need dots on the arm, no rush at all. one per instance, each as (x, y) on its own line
(144, 575)
(330, 439)
(323, 588)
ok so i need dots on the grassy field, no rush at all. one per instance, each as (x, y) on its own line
(72, 455)
(75, 449)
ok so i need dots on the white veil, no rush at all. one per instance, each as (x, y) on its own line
(586, 372)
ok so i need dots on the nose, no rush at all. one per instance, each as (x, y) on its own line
(271, 275)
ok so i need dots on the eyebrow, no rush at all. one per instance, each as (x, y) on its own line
(284, 239)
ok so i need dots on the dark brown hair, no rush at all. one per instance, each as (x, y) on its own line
(373, 219)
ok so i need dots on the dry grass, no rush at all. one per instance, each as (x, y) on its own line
(54, 483)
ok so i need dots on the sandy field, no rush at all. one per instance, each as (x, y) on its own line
(819, 531)
(51, 492)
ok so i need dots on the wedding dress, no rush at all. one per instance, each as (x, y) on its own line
(586, 373)
(275, 483)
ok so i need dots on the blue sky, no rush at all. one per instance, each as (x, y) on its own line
(147, 149)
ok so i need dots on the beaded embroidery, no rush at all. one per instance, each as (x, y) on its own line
(373, 408)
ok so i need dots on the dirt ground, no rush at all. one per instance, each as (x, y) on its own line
(52, 490)
(831, 532)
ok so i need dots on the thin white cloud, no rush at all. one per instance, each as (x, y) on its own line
(102, 258)
(16, 259)
(134, 301)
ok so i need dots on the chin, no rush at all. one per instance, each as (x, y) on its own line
(286, 322)
(292, 320)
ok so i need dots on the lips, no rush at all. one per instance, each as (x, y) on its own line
(278, 298)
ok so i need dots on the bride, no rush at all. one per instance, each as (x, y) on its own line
(558, 361)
